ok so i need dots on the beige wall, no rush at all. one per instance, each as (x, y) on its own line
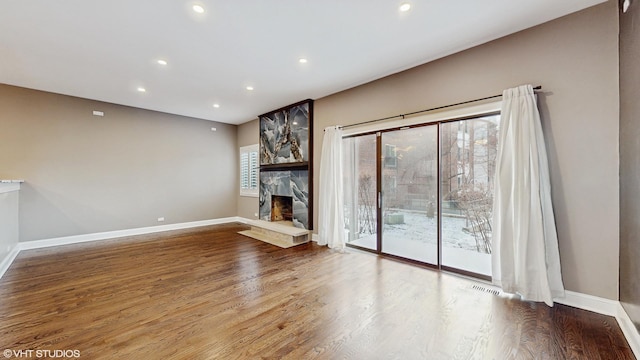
(8, 223)
(575, 59)
(630, 163)
(248, 135)
(87, 174)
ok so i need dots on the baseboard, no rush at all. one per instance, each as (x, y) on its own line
(589, 302)
(605, 307)
(66, 240)
(314, 237)
(8, 260)
(629, 330)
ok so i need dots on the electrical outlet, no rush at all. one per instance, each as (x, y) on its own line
(160, 219)
(255, 214)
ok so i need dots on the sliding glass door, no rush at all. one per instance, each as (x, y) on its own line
(468, 150)
(361, 194)
(424, 193)
(409, 170)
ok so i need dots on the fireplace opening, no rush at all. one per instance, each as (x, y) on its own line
(281, 208)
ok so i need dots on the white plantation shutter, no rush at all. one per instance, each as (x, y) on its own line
(249, 170)
(253, 170)
(244, 170)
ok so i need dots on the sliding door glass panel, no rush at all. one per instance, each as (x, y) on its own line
(409, 193)
(360, 201)
(468, 158)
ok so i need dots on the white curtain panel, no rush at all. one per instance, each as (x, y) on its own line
(330, 206)
(525, 257)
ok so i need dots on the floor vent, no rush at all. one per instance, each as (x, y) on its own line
(486, 289)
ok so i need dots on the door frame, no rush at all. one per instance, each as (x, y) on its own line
(438, 121)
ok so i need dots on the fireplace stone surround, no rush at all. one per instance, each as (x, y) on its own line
(286, 166)
(293, 184)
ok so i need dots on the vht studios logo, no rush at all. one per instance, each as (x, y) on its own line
(8, 353)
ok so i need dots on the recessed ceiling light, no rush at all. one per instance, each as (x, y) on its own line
(141, 89)
(162, 62)
(198, 8)
(302, 60)
(216, 105)
(405, 6)
(250, 88)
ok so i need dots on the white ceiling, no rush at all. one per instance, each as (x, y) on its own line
(104, 50)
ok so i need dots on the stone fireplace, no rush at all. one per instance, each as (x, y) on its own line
(286, 192)
(281, 208)
(286, 166)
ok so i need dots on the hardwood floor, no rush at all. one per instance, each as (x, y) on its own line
(211, 293)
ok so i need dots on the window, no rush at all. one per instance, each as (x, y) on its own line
(390, 156)
(249, 170)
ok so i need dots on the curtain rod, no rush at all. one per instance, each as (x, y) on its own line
(539, 87)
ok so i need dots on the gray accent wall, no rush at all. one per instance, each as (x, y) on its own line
(575, 59)
(630, 162)
(87, 174)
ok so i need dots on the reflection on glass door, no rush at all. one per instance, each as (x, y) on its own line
(468, 151)
(410, 193)
(360, 201)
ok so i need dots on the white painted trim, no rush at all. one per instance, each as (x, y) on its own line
(8, 187)
(589, 302)
(66, 240)
(314, 237)
(8, 260)
(629, 330)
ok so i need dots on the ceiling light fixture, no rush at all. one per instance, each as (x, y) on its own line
(141, 89)
(198, 8)
(250, 88)
(405, 6)
(302, 61)
(162, 62)
(216, 105)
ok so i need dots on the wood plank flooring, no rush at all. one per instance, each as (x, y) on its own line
(211, 293)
